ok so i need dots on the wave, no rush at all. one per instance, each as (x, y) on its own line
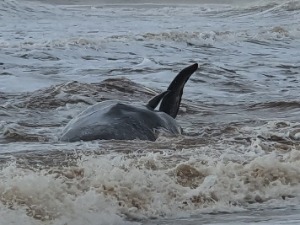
(262, 7)
(15, 9)
(76, 30)
(277, 104)
(209, 38)
(154, 8)
(111, 188)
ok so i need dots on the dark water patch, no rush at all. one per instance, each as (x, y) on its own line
(212, 70)
(152, 46)
(88, 57)
(292, 73)
(228, 70)
(6, 74)
(205, 49)
(40, 159)
(135, 69)
(277, 139)
(282, 105)
(50, 71)
(5, 98)
(268, 75)
(288, 66)
(198, 80)
(256, 215)
(236, 87)
(29, 126)
(51, 154)
(258, 42)
(76, 92)
(43, 56)
(40, 123)
(4, 112)
(273, 43)
(202, 46)
(261, 54)
(18, 135)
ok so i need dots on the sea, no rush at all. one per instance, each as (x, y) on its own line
(238, 159)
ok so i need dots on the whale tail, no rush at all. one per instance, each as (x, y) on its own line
(172, 97)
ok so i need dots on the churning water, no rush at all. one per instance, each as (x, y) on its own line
(238, 161)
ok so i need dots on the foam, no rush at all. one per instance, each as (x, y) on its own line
(108, 187)
(47, 197)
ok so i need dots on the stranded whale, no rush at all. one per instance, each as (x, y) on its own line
(122, 121)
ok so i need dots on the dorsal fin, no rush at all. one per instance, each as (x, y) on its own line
(171, 100)
(153, 103)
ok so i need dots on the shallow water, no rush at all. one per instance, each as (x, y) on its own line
(238, 161)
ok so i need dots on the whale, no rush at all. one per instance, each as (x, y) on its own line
(119, 120)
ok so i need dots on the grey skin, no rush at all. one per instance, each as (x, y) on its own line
(121, 121)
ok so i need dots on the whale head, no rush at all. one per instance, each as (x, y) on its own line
(170, 100)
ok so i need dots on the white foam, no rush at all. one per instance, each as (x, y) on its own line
(105, 188)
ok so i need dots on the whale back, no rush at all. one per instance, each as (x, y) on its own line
(120, 121)
(171, 99)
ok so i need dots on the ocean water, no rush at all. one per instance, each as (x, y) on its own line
(238, 161)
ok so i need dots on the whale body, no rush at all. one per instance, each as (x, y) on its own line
(123, 121)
